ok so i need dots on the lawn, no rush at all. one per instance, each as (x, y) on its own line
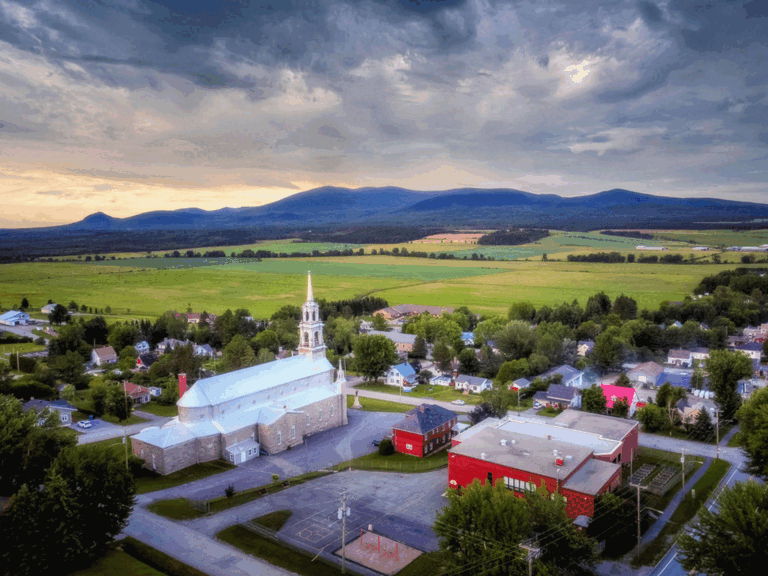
(156, 559)
(84, 406)
(21, 348)
(549, 412)
(274, 520)
(735, 441)
(684, 513)
(179, 508)
(118, 563)
(275, 553)
(148, 481)
(397, 462)
(443, 393)
(374, 405)
(159, 409)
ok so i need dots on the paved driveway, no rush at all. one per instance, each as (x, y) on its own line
(321, 451)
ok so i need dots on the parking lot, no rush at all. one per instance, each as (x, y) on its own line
(399, 506)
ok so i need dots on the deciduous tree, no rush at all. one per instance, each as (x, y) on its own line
(380, 323)
(725, 369)
(237, 355)
(593, 400)
(58, 315)
(753, 422)
(731, 540)
(374, 354)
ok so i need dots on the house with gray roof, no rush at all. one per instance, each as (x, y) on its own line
(403, 342)
(102, 356)
(64, 409)
(474, 384)
(426, 429)
(571, 376)
(557, 396)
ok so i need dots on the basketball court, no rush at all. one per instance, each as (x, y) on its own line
(379, 553)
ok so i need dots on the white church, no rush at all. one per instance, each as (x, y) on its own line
(267, 407)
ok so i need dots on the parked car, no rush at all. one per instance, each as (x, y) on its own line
(84, 424)
(458, 402)
(376, 442)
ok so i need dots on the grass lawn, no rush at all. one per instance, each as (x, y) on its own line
(397, 462)
(179, 509)
(21, 348)
(275, 553)
(84, 406)
(735, 441)
(132, 419)
(159, 409)
(118, 563)
(681, 434)
(150, 483)
(443, 393)
(549, 412)
(685, 512)
(156, 559)
(373, 405)
(274, 520)
(428, 563)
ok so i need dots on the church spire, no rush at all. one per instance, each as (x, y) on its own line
(310, 296)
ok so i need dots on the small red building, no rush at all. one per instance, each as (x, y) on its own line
(576, 454)
(425, 430)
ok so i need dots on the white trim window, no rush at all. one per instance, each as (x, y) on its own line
(279, 437)
(293, 432)
(518, 485)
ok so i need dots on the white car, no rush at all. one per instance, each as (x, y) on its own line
(458, 402)
(84, 424)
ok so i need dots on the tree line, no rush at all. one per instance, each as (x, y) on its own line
(513, 237)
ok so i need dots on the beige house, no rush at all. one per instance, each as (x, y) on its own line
(268, 407)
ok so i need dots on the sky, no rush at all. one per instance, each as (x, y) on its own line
(127, 106)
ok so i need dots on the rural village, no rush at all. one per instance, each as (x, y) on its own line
(354, 434)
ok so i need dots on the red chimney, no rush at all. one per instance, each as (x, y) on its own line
(182, 384)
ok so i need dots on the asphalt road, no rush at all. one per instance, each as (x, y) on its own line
(350, 389)
(106, 431)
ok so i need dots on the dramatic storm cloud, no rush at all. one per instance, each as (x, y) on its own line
(131, 105)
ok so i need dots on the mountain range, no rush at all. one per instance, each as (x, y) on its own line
(334, 207)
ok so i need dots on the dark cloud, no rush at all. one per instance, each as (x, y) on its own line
(330, 132)
(650, 12)
(9, 128)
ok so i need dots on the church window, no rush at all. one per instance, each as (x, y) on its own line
(293, 432)
(279, 437)
(320, 415)
(317, 338)
(306, 338)
(306, 315)
(331, 411)
(314, 315)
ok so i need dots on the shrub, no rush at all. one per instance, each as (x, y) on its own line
(386, 448)
(275, 478)
(229, 491)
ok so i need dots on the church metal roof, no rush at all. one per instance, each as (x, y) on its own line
(225, 387)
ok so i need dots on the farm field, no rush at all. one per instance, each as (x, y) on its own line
(263, 287)
(716, 237)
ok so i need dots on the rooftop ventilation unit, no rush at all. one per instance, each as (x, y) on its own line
(503, 442)
(559, 461)
(483, 455)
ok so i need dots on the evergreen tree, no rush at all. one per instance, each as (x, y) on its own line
(703, 430)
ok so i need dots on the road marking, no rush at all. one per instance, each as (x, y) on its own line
(668, 563)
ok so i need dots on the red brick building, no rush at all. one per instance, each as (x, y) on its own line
(425, 430)
(578, 455)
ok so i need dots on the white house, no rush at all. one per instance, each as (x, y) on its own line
(101, 356)
(48, 308)
(441, 380)
(700, 354)
(474, 384)
(142, 347)
(571, 376)
(468, 338)
(203, 350)
(401, 375)
(14, 318)
(680, 358)
(752, 349)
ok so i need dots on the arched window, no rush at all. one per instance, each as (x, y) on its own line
(306, 338)
(317, 338)
(314, 315)
(306, 315)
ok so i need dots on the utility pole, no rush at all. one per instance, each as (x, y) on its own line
(717, 424)
(638, 517)
(682, 461)
(342, 515)
(125, 441)
(533, 552)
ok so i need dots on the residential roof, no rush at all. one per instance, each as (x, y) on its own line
(471, 380)
(40, 405)
(561, 392)
(649, 368)
(522, 383)
(401, 309)
(523, 452)
(700, 350)
(467, 335)
(171, 434)
(588, 343)
(243, 446)
(405, 370)
(396, 337)
(224, 387)
(607, 426)
(106, 353)
(677, 379)
(424, 418)
(749, 347)
(147, 359)
(568, 372)
(679, 354)
(134, 390)
(610, 392)
(592, 477)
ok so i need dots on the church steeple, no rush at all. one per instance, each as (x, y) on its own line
(311, 342)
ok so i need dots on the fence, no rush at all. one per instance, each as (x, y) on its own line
(260, 530)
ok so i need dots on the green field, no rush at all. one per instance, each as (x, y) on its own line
(134, 290)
